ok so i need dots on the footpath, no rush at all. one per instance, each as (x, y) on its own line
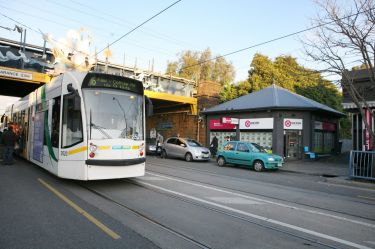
(334, 168)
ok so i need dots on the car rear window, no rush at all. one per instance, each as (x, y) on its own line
(230, 146)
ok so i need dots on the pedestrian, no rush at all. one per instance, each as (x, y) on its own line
(214, 144)
(8, 140)
(159, 143)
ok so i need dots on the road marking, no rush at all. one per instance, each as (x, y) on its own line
(366, 197)
(270, 202)
(262, 218)
(151, 178)
(234, 200)
(350, 187)
(91, 218)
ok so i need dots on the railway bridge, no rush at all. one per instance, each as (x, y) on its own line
(26, 67)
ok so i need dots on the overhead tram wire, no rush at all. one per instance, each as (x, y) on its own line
(56, 41)
(132, 30)
(119, 21)
(275, 39)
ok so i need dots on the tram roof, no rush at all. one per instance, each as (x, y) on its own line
(272, 97)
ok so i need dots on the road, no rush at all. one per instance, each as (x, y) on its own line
(200, 205)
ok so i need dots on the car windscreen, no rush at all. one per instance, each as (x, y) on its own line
(257, 148)
(193, 143)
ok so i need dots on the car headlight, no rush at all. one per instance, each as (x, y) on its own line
(271, 159)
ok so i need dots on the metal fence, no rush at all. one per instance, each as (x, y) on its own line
(362, 164)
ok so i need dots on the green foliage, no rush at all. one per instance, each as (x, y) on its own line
(243, 88)
(345, 127)
(229, 92)
(201, 66)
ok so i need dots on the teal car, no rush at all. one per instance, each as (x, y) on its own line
(243, 153)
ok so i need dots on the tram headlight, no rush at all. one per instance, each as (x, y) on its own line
(92, 149)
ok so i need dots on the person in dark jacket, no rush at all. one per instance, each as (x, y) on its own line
(213, 146)
(8, 140)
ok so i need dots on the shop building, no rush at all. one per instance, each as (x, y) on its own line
(285, 122)
(361, 82)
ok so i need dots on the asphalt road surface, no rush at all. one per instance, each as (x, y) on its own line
(183, 205)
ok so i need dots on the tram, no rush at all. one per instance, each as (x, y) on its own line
(83, 126)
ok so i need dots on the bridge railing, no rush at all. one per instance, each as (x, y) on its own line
(362, 165)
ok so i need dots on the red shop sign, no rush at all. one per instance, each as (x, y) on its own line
(215, 124)
(329, 126)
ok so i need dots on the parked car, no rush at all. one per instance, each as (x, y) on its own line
(262, 148)
(185, 148)
(244, 153)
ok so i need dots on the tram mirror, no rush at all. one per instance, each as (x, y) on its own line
(149, 106)
(70, 88)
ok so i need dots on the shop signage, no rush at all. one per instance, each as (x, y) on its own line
(226, 120)
(329, 126)
(16, 74)
(215, 124)
(324, 126)
(293, 124)
(165, 125)
(368, 141)
(256, 123)
(318, 125)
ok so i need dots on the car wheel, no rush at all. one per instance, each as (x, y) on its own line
(221, 161)
(258, 166)
(163, 154)
(188, 157)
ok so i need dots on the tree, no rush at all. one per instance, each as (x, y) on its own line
(287, 73)
(229, 92)
(201, 66)
(344, 38)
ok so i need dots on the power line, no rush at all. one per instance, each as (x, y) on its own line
(132, 30)
(275, 39)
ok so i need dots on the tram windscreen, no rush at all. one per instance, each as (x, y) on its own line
(113, 114)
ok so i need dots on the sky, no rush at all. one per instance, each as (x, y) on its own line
(223, 26)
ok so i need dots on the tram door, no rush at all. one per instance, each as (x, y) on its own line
(292, 144)
(24, 136)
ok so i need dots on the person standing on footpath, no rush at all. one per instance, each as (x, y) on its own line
(8, 140)
(159, 143)
(214, 144)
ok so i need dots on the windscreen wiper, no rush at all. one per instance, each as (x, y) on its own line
(100, 129)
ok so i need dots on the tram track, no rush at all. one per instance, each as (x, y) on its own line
(308, 241)
(145, 216)
(249, 192)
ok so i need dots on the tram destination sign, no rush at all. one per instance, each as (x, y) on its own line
(112, 82)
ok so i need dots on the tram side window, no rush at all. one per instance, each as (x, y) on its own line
(72, 132)
(55, 122)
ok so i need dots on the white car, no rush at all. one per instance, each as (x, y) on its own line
(185, 148)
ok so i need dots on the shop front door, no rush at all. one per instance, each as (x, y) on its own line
(293, 145)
